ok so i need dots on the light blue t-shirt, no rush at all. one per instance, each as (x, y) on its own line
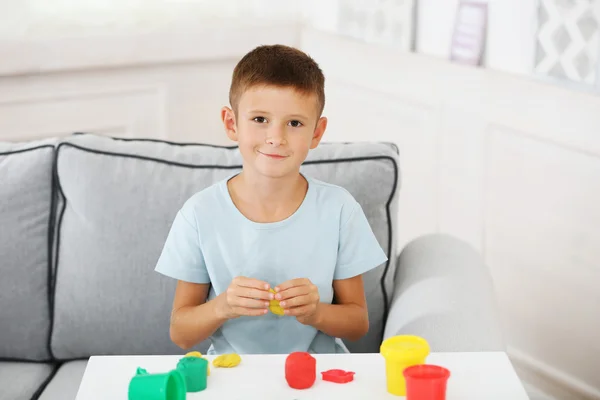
(327, 238)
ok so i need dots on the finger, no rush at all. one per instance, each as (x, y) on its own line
(298, 311)
(293, 292)
(296, 301)
(249, 303)
(292, 283)
(251, 283)
(252, 293)
(250, 312)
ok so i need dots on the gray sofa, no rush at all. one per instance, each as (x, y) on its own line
(83, 220)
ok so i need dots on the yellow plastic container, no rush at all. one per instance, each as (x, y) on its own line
(401, 352)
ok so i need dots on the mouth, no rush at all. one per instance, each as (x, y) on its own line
(274, 156)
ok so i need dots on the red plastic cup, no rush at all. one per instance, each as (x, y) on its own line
(426, 382)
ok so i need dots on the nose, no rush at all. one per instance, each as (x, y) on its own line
(276, 137)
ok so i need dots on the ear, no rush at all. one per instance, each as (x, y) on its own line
(228, 118)
(319, 131)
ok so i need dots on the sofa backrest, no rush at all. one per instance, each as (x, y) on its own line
(25, 219)
(115, 202)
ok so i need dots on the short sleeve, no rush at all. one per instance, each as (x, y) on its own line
(358, 249)
(182, 257)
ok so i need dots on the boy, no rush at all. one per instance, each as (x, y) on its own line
(271, 227)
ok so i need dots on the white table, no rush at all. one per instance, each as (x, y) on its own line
(474, 376)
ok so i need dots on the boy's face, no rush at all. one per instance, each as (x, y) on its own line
(275, 127)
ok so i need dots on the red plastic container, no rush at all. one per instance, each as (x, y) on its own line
(300, 370)
(426, 382)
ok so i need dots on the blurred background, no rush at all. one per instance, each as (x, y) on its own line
(495, 107)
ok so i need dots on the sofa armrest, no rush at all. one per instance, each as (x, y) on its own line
(444, 293)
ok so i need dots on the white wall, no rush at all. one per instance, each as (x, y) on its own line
(127, 69)
(506, 163)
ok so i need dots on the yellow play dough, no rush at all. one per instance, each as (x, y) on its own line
(199, 355)
(274, 306)
(227, 360)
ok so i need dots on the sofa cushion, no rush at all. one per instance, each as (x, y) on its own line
(121, 197)
(22, 380)
(65, 383)
(25, 204)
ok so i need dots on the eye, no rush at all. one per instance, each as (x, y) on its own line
(295, 124)
(260, 120)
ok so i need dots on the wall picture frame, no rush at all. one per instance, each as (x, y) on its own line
(470, 31)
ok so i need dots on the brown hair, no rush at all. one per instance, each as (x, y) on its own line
(277, 65)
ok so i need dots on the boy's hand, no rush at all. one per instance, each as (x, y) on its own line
(244, 297)
(299, 298)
